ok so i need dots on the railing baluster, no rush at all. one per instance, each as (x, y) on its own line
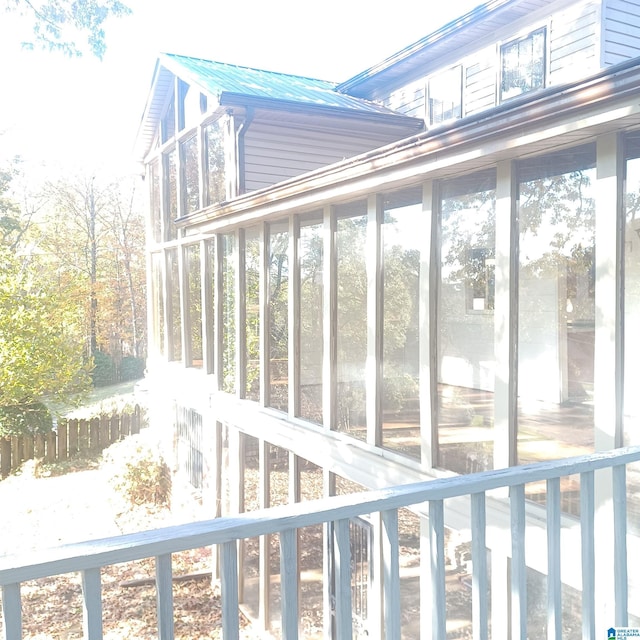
(92, 604)
(289, 583)
(620, 544)
(554, 575)
(587, 519)
(11, 612)
(391, 577)
(518, 565)
(436, 542)
(480, 597)
(229, 590)
(342, 548)
(164, 596)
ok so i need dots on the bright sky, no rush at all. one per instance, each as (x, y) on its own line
(83, 113)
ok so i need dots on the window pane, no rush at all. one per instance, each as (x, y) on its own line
(466, 324)
(228, 383)
(194, 304)
(311, 315)
(252, 312)
(214, 141)
(175, 328)
(401, 240)
(155, 201)
(190, 178)
(158, 302)
(556, 305)
(278, 316)
(211, 318)
(523, 65)
(631, 413)
(171, 193)
(352, 319)
(445, 96)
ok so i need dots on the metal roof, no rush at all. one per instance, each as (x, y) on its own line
(219, 78)
(428, 53)
(236, 85)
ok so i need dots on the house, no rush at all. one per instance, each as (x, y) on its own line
(426, 270)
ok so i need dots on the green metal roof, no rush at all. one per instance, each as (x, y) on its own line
(220, 79)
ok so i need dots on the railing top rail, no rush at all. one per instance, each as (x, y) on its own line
(98, 553)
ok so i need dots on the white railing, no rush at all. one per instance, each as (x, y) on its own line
(89, 557)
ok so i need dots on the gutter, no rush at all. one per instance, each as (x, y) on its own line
(276, 104)
(617, 83)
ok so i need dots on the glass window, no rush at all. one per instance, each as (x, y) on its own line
(168, 124)
(191, 106)
(155, 200)
(190, 175)
(278, 298)
(631, 414)
(210, 246)
(171, 195)
(194, 304)
(401, 240)
(174, 314)
(157, 296)
(351, 318)
(214, 153)
(311, 319)
(252, 312)
(466, 324)
(228, 382)
(523, 63)
(556, 319)
(445, 96)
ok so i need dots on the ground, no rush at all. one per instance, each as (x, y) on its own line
(47, 511)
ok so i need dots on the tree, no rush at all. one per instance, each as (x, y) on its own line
(93, 235)
(40, 360)
(58, 24)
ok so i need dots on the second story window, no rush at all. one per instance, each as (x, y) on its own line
(445, 96)
(523, 64)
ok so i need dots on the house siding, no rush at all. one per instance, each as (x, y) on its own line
(573, 48)
(621, 31)
(274, 153)
(573, 43)
(480, 75)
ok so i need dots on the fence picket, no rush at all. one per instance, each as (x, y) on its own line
(72, 437)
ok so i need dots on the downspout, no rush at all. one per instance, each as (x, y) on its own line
(241, 131)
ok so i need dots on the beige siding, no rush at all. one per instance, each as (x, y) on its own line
(274, 153)
(481, 77)
(409, 100)
(621, 24)
(573, 43)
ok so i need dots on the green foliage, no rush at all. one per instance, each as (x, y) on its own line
(57, 24)
(137, 472)
(25, 419)
(104, 371)
(131, 368)
(39, 355)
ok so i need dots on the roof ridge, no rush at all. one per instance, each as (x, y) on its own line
(246, 67)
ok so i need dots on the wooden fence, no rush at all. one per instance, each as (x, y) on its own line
(70, 438)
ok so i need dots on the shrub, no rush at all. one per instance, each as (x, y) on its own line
(131, 368)
(26, 419)
(104, 371)
(137, 472)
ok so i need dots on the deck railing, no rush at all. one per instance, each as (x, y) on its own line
(89, 557)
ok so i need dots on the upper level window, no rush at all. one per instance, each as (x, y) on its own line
(523, 64)
(445, 96)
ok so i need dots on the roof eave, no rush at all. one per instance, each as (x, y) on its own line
(475, 15)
